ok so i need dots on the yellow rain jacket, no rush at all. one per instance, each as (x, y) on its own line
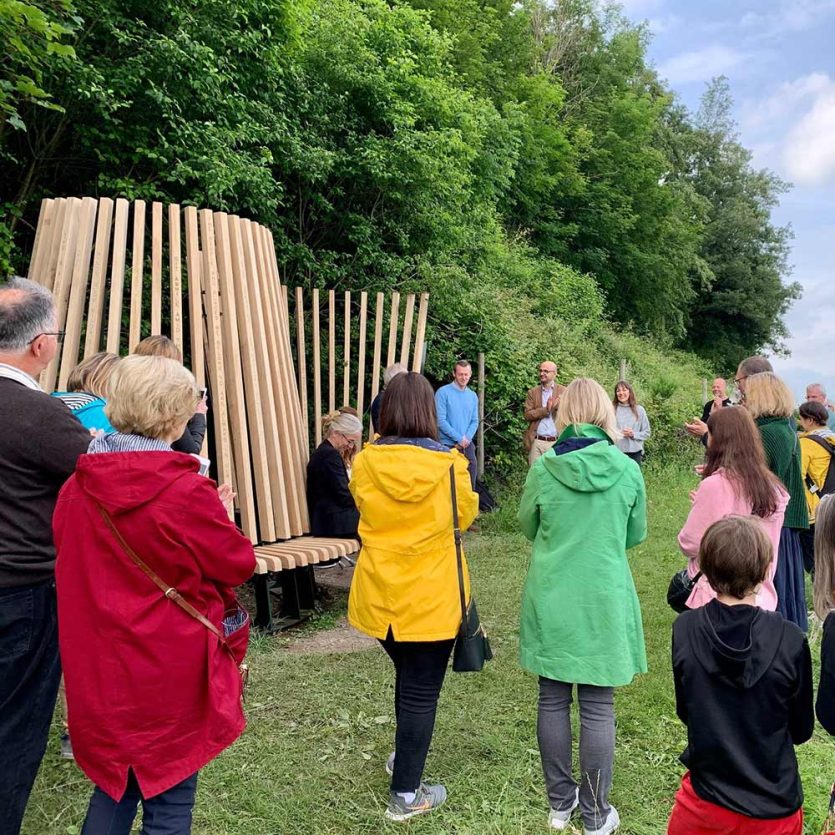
(814, 462)
(406, 577)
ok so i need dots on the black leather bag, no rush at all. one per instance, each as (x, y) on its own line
(681, 586)
(472, 647)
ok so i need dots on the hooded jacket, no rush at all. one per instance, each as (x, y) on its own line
(743, 683)
(814, 462)
(87, 408)
(149, 688)
(406, 577)
(583, 505)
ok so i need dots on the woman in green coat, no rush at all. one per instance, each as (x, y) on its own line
(583, 505)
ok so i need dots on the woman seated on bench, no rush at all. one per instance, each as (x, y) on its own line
(333, 512)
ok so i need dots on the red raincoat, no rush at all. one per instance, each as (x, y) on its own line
(149, 688)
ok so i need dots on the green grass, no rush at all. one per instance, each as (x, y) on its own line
(320, 727)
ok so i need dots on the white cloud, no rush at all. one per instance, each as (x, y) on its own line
(701, 64)
(640, 8)
(789, 15)
(809, 152)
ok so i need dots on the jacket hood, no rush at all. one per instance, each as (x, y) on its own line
(738, 666)
(824, 432)
(590, 468)
(405, 472)
(122, 481)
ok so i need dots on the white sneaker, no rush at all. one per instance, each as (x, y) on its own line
(611, 823)
(559, 818)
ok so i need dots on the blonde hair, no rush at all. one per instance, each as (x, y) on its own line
(343, 422)
(766, 395)
(150, 396)
(585, 401)
(158, 346)
(823, 587)
(92, 374)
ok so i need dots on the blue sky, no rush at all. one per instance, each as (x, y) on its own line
(779, 56)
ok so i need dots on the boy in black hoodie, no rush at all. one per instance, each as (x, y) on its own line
(743, 681)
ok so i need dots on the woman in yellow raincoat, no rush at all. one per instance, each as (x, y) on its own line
(405, 587)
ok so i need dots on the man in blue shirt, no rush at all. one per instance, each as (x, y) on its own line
(457, 407)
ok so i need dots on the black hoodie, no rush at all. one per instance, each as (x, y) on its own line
(743, 681)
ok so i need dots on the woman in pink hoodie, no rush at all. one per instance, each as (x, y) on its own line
(735, 481)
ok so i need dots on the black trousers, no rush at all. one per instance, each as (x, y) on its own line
(807, 545)
(635, 456)
(419, 669)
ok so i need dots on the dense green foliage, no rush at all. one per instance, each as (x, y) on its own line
(521, 161)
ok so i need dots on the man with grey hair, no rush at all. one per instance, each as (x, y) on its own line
(817, 393)
(388, 375)
(39, 446)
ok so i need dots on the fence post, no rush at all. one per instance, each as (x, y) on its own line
(480, 444)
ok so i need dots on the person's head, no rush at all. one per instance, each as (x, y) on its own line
(158, 346)
(392, 371)
(408, 408)
(461, 373)
(29, 334)
(734, 445)
(747, 368)
(151, 396)
(92, 374)
(547, 373)
(816, 392)
(719, 388)
(823, 587)
(342, 430)
(735, 554)
(766, 395)
(813, 415)
(624, 395)
(585, 401)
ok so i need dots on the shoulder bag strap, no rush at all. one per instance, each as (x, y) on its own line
(821, 442)
(169, 591)
(457, 533)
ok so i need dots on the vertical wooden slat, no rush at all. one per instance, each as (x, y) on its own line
(156, 268)
(95, 308)
(78, 290)
(346, 353)
(407, 329)
(301, 364)
(136, 269)
(361, 357)
(331, 350)
(420, 338)
(117, 276)
(378, 350)
(393, 325)
(233, 351)
(175, 275)
(50, 261)
(195, 302)
(252, 382)
(317, 371)
(42, 240)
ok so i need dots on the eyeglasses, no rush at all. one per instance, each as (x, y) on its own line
(547, 370)
(59, 336)
(738, 380)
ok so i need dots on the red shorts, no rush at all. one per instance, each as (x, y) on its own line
(693, 816)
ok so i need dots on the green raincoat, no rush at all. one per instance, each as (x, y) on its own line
(581, 621)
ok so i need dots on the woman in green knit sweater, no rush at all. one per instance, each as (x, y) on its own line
(770, 402)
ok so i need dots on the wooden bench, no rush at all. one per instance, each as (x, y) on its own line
(291, 564)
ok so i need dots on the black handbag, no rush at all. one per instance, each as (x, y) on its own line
(472, 647)
(681, 586)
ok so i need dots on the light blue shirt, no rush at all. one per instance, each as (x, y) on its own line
(831, 422)
(457, 413)
(547, 426)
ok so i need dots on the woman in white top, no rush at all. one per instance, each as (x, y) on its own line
(632, 422)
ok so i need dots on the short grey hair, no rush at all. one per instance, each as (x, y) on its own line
(392, 371)
(26, 310)
(343, 422)
(818, 386)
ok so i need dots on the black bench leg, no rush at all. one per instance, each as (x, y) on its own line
(290, 603)
(307, 588)
(263, 604)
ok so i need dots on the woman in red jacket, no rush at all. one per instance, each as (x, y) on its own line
(153, 692)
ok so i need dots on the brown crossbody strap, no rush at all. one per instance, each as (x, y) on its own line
(169, 591)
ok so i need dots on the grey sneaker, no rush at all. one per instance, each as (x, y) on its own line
(611, 823)
(390, 764)
(66, 748)
(559, 818)
(426, 799)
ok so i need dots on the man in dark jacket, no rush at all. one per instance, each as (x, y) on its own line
(39, 446)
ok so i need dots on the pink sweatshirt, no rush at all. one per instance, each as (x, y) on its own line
(714, 499)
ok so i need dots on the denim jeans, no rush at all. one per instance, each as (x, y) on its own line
(168, 813)
(419, 668)
(29, 674)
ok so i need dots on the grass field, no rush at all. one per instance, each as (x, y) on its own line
(320, 726)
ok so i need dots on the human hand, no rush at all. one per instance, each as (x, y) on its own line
(699, 469)
(692, 496)
(202, 406)
(550, 404)
(97, 433)
(696, 427)
(464, 442)
(628, 433)
(226, 496)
